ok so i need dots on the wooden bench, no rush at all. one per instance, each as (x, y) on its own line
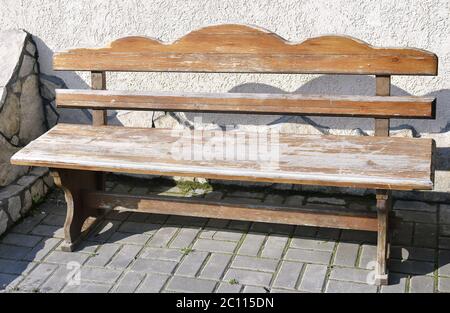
(78, 155)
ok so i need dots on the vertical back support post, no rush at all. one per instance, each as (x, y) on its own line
(383, 88)
(98, 81)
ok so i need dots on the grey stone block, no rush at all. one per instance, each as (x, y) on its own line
(335, 286)
(274, 246)
(247, 277)
(21, 240)
(163, 236)
(227, 235)
(411, 267)
(9, 282)
(413, 253)
(312, 244)
(162, 254)
(295, 200)
(368, 255)
(273, 199)
(61, 257)
(153, 283)
(104, 231)
(191, 263)
(14, 206)
(308, 256)
(444, 214)
(129, 239)
(28, 223)
(16, 267)
(351, 274)
(359, 236)
(282, 229)
(313, 278)
(54, 220)
(425, 235)
(103, 255)
(402, 234)
(326, 200)
(129, 282)
(254, 263)
(215, 245)
(228, 288)
(184, 238)
(125, 256)
(187, 284)
(48, 231)
(216, 265)
(42, 249)
(153, 266)
(87, 287)
(255, 289)
(305, 231)
(252, 244)
(422, 284)
(288, 275)
(101, 275)
(397, 283)
(346, 254)
(57, 280)
(13, 252)
(138, 228)
(444, 284)
(37, 277)
(444, 263)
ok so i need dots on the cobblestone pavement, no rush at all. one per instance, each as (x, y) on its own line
(136, 252)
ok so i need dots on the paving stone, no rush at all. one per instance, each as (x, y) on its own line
(413, 253)
(129, 282)
(15, 267)
(274, 246)
(9, 281)
(27, 224)
(247, 277)
(415, 206)
(103, 255)
(138, 228)
(153, 266)
(358, 236)
(272, 228)
(207, 233)
(444, 230)
(57, 280)
(397, 284)
(118, 215)
(152, 283)
(214, 195)
(273, 199)
(368, 256)
(312, 244)
(37, 277)
(425, 235)
(215, 245)
(402, 234)
(416, 216)
(42, 249)
(252, 244)
(162, 254)
(216, 265)
(411, 267)
(247, 194)
(305, 231)
(335, 286)
(444, 213)
(254, 263)
(21, 240)
(444, 243)
(227, 235)
(184, 238)
(254, 289)
(422, 284)
(54, 220)
(308, 256)
(346, 254)
(163, 236)
(125, 256)
(61, 257)
(240, 200)
(215, 223)
(104, 231)
(443, 284)
(228, 288)
(326, 200)
(129, 239)
(156, 218)
(351, 274)
(48, 231)
(328, 234)
(191, 263)
(313, 278)
(186, 220)
(13, 252)
(276, 290)
(288, 275)
(100, 275)
(187, 284)
(239, 225)
(444, 263)
(87, 287)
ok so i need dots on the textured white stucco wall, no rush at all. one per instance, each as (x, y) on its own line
(63, 24)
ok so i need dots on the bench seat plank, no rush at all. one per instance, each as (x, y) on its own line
(347, 161)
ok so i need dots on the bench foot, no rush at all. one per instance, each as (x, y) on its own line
(383, 208)
(80, 218)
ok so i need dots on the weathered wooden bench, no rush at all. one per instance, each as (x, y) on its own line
(78, 155)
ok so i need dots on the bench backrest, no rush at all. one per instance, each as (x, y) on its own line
(244, 49)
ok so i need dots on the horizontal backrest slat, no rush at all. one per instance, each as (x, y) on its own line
(244, 49)
(366, 106)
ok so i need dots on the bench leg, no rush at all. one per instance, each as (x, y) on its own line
(383, 208)
(80, 219)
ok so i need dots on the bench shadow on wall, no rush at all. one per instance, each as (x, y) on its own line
(327, 84)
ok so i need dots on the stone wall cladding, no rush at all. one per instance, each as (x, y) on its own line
(22, 117)
(18, 198)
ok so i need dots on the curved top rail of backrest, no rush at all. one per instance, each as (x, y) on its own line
(245, 49)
